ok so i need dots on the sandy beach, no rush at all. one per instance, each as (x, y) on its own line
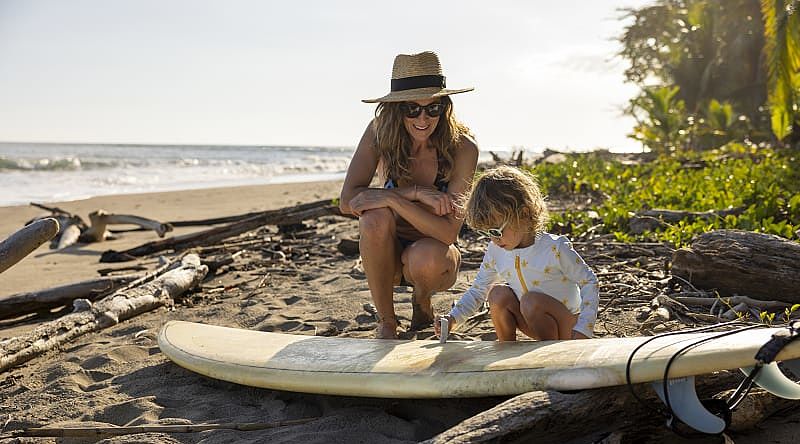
(118, 376)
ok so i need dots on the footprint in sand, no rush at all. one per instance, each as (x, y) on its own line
(291, 300)
(142, 410)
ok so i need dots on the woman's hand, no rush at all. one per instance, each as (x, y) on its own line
(440, 203)
(437, 324)
(369, 199)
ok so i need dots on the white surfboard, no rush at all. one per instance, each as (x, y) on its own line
(428, 369)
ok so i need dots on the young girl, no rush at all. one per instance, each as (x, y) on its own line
(549, 291)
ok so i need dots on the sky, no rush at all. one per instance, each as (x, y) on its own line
(247, 72)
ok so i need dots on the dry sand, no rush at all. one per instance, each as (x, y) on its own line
(118, 376)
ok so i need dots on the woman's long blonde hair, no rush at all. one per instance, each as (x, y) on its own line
(393, 143)
(507, 195)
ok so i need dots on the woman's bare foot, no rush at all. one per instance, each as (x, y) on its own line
(387, 329)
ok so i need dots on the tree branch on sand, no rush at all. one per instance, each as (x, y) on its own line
(24, 303)
(74, 229)
(283, 216)
(108, 311)
(24, 241)
(101, 219)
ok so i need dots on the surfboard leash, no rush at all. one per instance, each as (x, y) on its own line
(765, 356)
(721, 408)
(718, 407)
(668, 413)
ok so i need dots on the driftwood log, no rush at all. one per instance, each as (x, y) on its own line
(71, 226)
(35, 301)
(100, 432)
(24, 241)
(655, 218)
(589, 415)
(283, 216)
(742, 262)
(101, 219)
(108, 311)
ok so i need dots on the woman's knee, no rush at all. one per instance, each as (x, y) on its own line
(377, 223)
(431, 259)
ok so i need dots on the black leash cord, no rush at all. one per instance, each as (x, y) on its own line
(660, 411)
(680, 352)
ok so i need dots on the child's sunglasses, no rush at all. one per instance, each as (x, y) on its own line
(494, 232)
(413, 110)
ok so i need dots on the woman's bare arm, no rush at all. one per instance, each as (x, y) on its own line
(360, 172)
(443, 228)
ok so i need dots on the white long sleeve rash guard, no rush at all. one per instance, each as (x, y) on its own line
(550, 266)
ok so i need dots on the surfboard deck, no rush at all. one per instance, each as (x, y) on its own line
(428, 369)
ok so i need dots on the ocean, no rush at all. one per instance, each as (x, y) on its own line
(35, 172)
(46, 172)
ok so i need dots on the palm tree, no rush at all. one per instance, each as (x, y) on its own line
(782, 56)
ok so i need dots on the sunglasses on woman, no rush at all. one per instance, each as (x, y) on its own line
(413, 110)
(493, 232)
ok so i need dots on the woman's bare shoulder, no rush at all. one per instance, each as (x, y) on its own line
(468, 143)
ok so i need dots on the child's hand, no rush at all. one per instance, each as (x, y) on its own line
(437, 324)
(578, 335)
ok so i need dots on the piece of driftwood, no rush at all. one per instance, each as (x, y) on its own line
(773, 306)
(69, 235)
(649, 220)
(101, 219)
(24, 303)
(586, 416)
(207, 237)
(736, 262)
(71, 226)
(664, 308)
(108, 311)
(239, 217)
(104, 432)
(25, 240)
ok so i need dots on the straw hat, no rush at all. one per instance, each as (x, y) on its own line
(417, 77)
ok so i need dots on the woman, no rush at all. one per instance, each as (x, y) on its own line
(426, 159)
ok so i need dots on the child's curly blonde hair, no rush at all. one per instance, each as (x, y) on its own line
(502, 195)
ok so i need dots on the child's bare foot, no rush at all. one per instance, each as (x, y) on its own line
(421, 311)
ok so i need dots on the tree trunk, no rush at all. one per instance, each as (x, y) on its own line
(105, 313)
(736, 262)
(586, 416)
(24, 241)
(287, 215)
(24, 303)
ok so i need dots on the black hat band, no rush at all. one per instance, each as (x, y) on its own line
(418, 82)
